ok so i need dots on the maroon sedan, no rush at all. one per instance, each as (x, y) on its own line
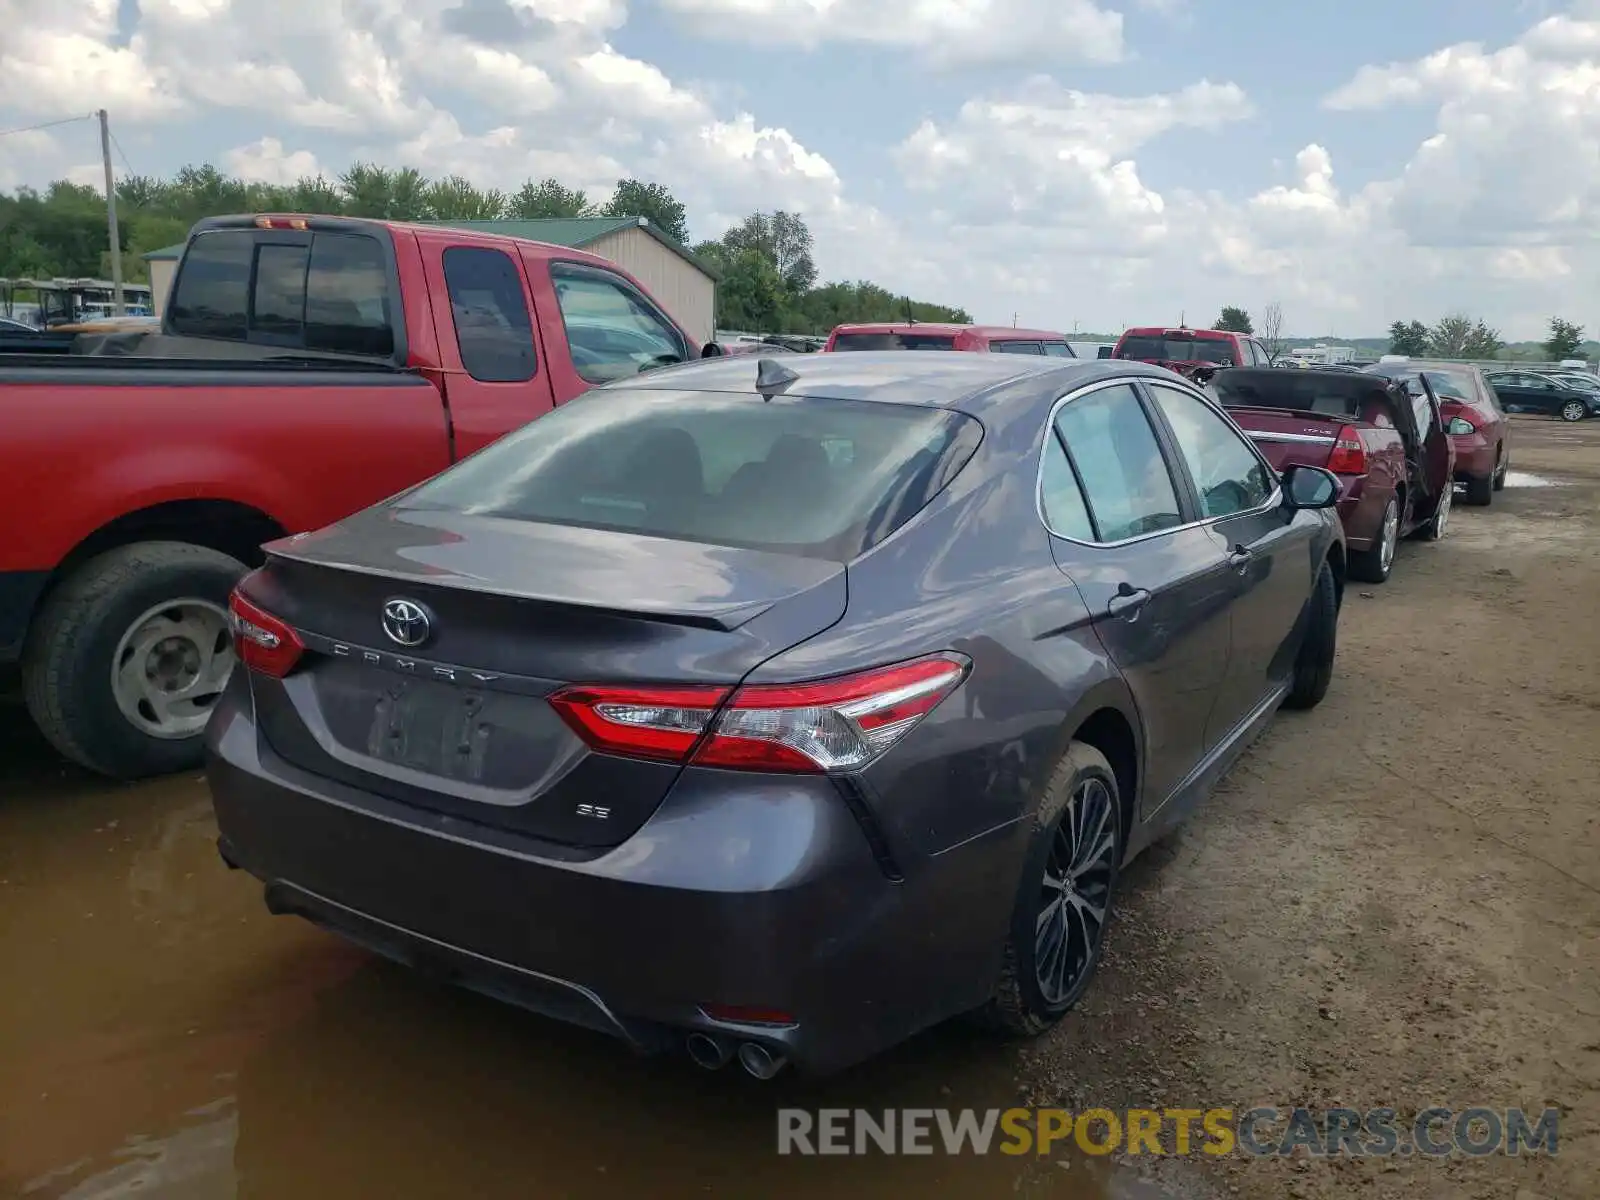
(1476, 422)
(1385, 441)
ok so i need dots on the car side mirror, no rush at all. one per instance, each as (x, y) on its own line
(1309, 487)
(1549, 387)
(712, 350)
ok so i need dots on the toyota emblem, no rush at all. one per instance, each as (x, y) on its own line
(406, 622)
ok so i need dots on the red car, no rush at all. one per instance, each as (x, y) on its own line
(1385, 442)
(306, 368)
(996, 339)
(1186, 350)
(1473, 416)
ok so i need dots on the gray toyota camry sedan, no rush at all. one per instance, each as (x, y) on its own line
(774, 710)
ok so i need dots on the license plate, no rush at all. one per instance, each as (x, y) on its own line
(434, 728)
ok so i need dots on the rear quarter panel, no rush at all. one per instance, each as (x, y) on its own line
(303, 452)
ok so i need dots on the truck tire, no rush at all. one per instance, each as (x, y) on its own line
(128, 654)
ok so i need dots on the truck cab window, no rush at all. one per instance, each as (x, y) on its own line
(279, 308)
(329, 292)
(213, 286)
(612, 330)
(347, 296)
(493, 329)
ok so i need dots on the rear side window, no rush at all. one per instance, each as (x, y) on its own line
(1059, 350)
(1129, 485)
(327, 292)
(894, 341)
(717, 468)
(1014, 347)
(1060, 497)
(493, 328)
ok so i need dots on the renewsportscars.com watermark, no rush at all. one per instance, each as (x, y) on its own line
(1256, 1132)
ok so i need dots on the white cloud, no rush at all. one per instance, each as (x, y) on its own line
(1054, 156)
(947, 32)
(267, 161)
(1027, 197)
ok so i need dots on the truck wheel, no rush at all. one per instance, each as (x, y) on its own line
(129, 653)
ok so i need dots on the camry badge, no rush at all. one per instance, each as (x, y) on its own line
(406, 622)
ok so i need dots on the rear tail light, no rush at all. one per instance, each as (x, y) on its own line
(262, 642)
(832, 725)
(1349, 456)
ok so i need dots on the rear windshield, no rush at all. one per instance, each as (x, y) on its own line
(1208, 350)
(1446, 385)
(321, 292)
(894, 341)
(800, 475)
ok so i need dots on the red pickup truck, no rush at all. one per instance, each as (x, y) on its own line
(306, 367)
(1187, 351)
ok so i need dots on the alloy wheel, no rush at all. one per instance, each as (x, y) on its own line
(1391, 535)
(1573, 410)
(1076, 892)
(170, 667)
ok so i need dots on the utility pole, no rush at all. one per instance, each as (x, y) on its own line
(117, 305)
(1013, 320)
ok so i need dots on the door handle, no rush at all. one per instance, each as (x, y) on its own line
(1239, 558)
(1129, 602)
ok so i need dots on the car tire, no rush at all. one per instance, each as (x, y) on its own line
(157, 602)
(1081, 810)
(1439, 523)
(1375, 564)
(1574, 410)
(1502, 465)
(1313, 665)
(1480, 490)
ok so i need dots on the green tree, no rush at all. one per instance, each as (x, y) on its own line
(1564, 340)
(373, 191)
(548, 198)
(1459, 336)
(750, 293)
(784, 240)
(1408, 338)
(455, 199)
(1234, 320)
(653, 202)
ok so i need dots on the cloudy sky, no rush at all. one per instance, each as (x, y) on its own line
(1076, 163)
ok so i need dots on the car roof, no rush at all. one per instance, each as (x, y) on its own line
(920, 377)
(1215, 335)
(940, 328)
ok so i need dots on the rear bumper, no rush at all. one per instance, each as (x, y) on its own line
(1475, 455)
(1351, 490)
(762, 894)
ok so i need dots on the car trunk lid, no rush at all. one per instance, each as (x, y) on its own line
(459, 720)
(1288, 438)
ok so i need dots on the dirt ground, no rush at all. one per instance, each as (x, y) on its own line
(1393, 900)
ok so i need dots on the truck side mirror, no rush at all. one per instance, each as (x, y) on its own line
(712, 350)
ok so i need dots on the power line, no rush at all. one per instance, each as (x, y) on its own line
(122, 154)
(47, 124)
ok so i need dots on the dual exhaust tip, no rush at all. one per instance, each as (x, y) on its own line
(714, 1053)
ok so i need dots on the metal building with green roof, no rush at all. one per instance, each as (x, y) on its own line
(679, 282)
